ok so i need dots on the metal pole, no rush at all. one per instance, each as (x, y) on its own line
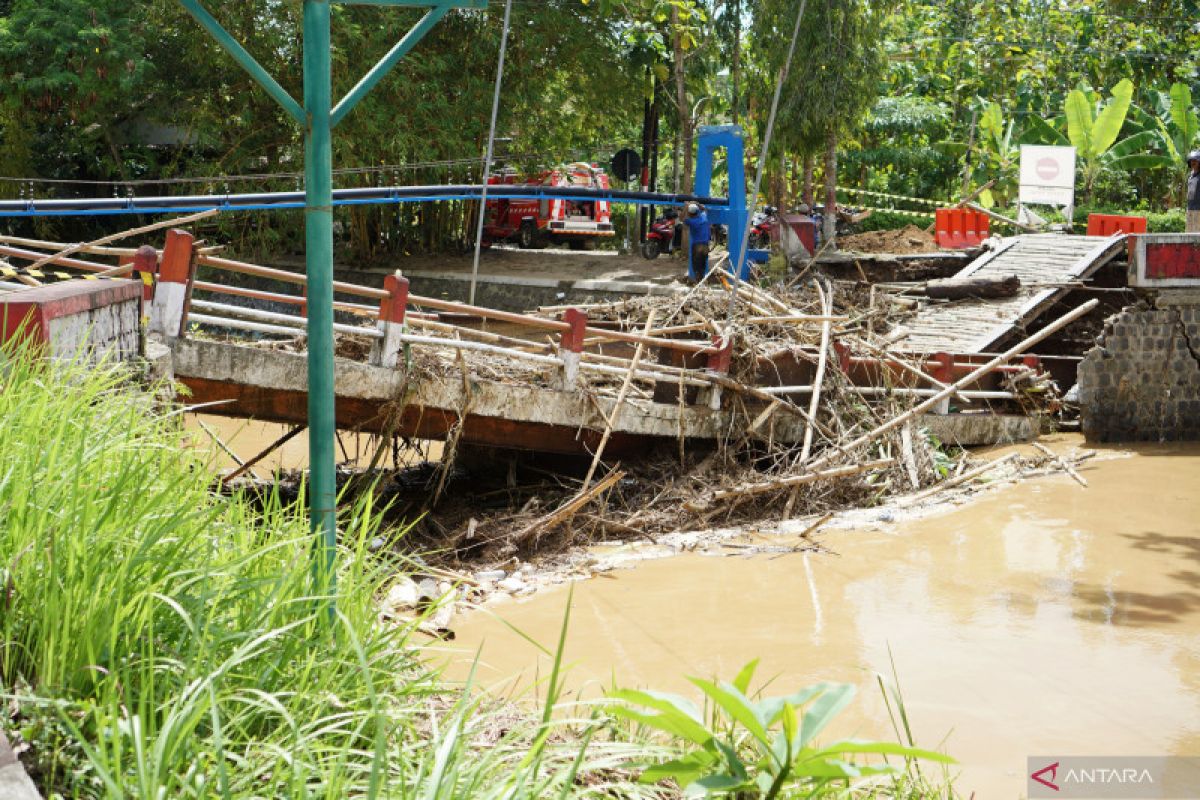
(318, 239)
(487, 160)
(762, 161)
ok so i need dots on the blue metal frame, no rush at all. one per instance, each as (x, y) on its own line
(736, 215)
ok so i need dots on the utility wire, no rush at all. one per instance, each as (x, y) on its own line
(487, 161)
(762, 163)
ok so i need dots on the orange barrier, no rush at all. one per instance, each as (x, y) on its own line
(1108, 224)
(960, 228)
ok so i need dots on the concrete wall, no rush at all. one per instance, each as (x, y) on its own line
(99, 318)
(1142, 380)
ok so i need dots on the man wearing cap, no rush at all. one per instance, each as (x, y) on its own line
(1193, 192)
(699, 236)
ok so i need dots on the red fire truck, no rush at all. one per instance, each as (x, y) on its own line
(538, 222)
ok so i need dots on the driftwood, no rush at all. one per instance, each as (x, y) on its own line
(961, 288)
(224, 447)
(800, 480)
(958, 479)
(271, 448)
(1062, 462)
(827, 310)
(967, 380)
(570, 508)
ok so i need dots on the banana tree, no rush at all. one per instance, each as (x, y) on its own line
(1176, 127)
(1093, 130)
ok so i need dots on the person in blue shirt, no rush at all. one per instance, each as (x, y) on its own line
(700, 234)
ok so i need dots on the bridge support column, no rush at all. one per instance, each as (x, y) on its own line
(171, 290)
(385, 352)
(571, 347)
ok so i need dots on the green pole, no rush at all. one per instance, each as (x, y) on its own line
(318, 240)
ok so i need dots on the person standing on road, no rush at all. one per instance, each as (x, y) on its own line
(699, 236)
(1193, 192)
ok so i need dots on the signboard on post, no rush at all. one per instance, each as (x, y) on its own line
(1047, 175)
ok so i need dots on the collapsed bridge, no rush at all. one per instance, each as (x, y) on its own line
(566, 380)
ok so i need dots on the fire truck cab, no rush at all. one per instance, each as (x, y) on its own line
(535, 222)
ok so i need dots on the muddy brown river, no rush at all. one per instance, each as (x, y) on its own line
(1042, 618)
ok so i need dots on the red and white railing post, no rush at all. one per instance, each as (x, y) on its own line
(571, 346)
(171, 291)
(719, 359)
(385, 352)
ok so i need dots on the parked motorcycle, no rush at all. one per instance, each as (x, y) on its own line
(760, 227)
(662, 237)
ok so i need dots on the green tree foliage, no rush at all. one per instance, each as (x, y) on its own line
(1093, 128)
(114, 91)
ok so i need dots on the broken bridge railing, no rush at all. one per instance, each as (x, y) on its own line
(398, 314)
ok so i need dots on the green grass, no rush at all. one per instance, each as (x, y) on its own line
(161, 641)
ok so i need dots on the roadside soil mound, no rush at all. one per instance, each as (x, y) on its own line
(903, 241)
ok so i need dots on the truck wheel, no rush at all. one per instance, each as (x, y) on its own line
(650, 249)
(527, 236)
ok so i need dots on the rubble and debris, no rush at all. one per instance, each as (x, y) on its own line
(908, 240)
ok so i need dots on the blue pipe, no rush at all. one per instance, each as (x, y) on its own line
(270, 201)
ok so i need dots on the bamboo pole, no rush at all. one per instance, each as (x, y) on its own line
(959, 479)
(280, 442)
(1062, 462)
(967, 380)
(797, 318)
(168, 223)
(800, 480)
(42, 244)
(1000, 217)
(616, 409)
(827, 307)
(224, 447)
(571, 508)
(898, 391)
(29, 255)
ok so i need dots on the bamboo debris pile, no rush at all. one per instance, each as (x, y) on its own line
(858, 448)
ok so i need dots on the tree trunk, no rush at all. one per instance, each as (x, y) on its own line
(681, 103)
(735, 70)
(806, 192)
(647, 134)
(960, 288)
(779, 185)
(830, 220)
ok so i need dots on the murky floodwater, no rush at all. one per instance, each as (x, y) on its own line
(1043, 619)
(247, 438)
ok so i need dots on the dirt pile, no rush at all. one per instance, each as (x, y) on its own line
(908, 240)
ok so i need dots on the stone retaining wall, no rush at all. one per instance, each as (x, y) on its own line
(1142, 380)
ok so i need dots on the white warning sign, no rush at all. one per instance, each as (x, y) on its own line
(1047, 175)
